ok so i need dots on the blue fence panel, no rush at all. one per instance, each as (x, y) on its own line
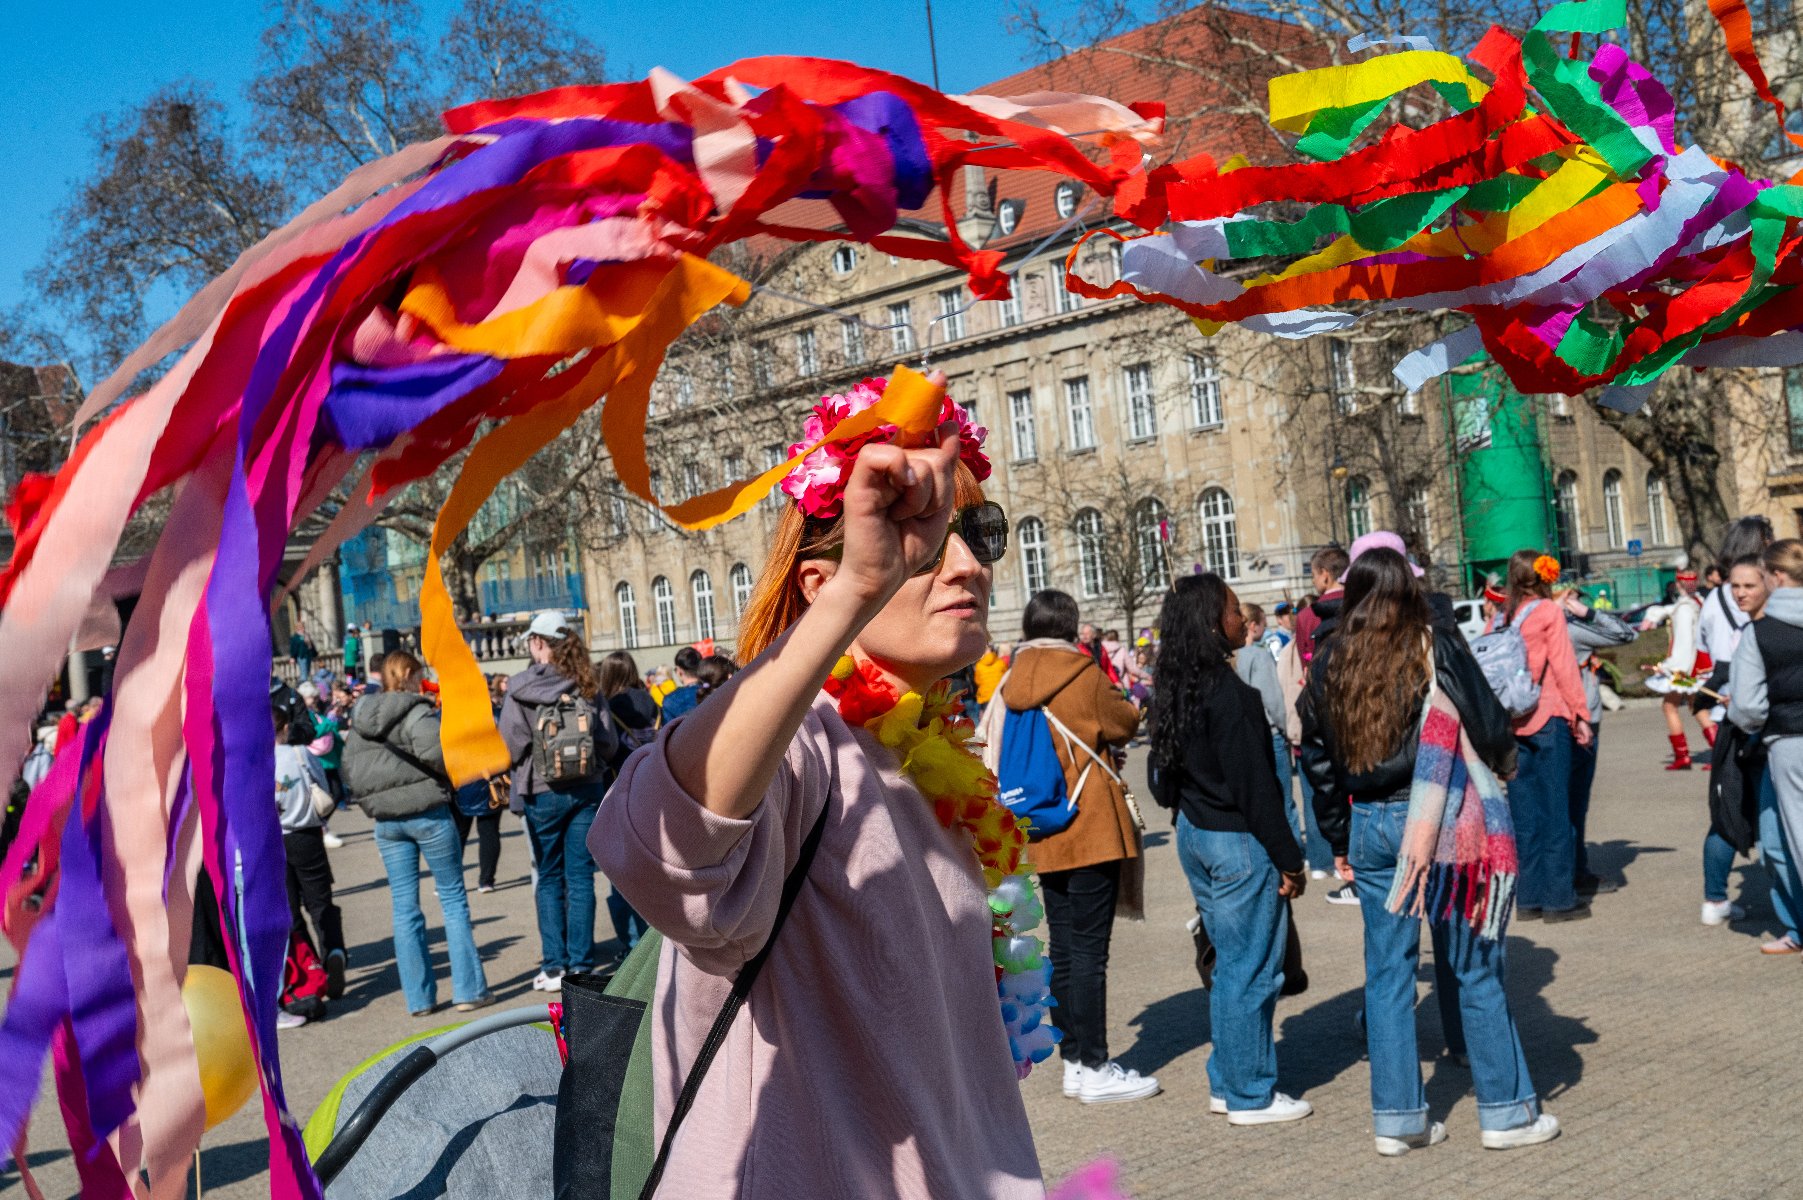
(533, 592)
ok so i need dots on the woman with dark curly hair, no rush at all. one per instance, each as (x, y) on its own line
(1211, 751)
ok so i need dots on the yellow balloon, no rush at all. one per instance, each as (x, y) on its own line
(228, 1072)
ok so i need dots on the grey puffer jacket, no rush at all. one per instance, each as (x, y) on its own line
(393, 762)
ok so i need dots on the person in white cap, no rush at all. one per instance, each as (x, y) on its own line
(558, 799)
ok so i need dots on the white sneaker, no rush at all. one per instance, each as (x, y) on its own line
(287, 1020)
(1396, 1147)
(332, 840)
(1217, 1105)
(1073, 1077)
(1720, 912)
(1282, 1108)
(1317, 874)
(1344, 894)
(1111, 1083)
(548, 983)
(1544, 1129)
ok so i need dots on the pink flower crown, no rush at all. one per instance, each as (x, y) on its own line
(818, 483)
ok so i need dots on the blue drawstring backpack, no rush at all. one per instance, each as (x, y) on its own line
(1030, 776)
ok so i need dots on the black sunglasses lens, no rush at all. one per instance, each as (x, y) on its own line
(985, 530)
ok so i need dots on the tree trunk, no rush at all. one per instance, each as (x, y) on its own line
(460, 566)
(1676, 432)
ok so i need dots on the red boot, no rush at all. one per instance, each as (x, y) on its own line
(1680, 754)
(1709, 736)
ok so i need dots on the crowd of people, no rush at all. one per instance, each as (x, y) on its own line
(1333, 740)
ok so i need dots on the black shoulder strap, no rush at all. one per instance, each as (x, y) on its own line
(741, 988)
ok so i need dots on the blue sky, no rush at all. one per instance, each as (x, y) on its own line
(63, 64)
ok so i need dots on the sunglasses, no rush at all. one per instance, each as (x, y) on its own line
(983, 527)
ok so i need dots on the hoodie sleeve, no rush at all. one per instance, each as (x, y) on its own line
(516, 730)
(708, 883)
(1748, 702)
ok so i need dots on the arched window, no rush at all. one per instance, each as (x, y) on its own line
(1088, 528)
(1034, 556)
(1220, 534)
(1565, 513)
(663, 598)
(1658, 528)
(701, 590)
(741, 588)
(1612, 515)
(1358, 507)
(628, 605)
(1154, 560)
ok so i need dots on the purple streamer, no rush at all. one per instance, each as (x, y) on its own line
(371, 406)
(103, 1008)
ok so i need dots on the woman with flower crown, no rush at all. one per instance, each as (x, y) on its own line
(879, 1056)
(1540, 793)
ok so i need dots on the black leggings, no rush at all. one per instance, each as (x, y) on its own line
(488, 841)
(310, 888)
(1079, 909)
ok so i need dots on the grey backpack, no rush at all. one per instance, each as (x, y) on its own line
(563, 741)
(1502, 655)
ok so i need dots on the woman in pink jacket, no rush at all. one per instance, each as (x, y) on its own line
(874, 1055)
(1540, 793)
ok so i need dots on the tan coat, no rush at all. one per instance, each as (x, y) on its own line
(1071, 684)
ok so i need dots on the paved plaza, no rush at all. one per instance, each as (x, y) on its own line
(1666, 1048)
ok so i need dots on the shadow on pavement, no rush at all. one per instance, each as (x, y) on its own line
(222, 1166)
(1315, 1045)
(1612, 859)
(1167, 1030)
(1549, 1039)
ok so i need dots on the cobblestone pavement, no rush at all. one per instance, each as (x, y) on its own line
(1659, 1043)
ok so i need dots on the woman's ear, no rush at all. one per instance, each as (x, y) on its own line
(811, 575)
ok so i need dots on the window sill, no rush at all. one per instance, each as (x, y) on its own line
(1081, 450)
(1214, 427)
(1144, 440)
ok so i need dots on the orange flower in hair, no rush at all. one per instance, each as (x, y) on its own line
(1547, 567)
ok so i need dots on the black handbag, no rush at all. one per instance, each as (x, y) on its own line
(1295, 979)
(605, 1143)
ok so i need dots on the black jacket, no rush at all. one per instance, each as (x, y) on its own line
(1227, 780)
(1486, 723)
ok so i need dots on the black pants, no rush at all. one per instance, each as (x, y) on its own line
(488, 841)
(310, 888)
(1079, 909)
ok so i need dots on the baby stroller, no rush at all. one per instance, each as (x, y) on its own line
(466, 1110)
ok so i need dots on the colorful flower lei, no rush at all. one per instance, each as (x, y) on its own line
(818, 483)
(933, 743)
(1548, 568)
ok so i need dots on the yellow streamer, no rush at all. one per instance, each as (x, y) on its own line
(1295, 99)
(568, 320)
(911, 402)
(689, 288)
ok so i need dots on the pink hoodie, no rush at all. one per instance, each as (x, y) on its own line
(870, 1060)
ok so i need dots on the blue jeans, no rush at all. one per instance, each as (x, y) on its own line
(1539, 800)
(1484, 1029)
(401, 843)
(1718, 860)
(1235, 886)
(1314, 847)
(1583, 778)
(629, 927)
(557, 823)
(1774, 852)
